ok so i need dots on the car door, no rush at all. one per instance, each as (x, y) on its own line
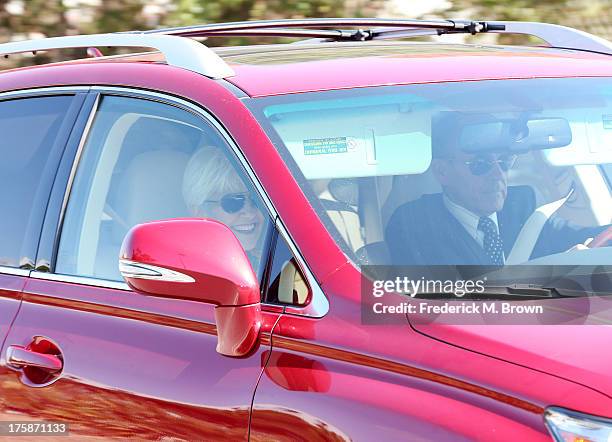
(35, 129)
(127, 365)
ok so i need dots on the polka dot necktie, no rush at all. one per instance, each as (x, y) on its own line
(493, 245)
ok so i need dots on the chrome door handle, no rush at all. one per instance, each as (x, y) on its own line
(20, 357)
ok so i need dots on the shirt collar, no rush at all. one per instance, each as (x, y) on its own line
(465, 216)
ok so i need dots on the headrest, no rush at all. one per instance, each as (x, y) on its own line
(151, 187)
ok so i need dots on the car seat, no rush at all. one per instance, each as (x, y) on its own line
(150, 189)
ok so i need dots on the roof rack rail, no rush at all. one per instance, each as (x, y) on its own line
(238, 28)
(558, 36)
(194, 56)
(181, 52)
(555, 35)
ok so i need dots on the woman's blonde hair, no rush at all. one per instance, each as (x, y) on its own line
(208, 176)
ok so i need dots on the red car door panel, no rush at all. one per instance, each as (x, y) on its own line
(333, 378)
(133, 366)
(10, 297)
(10, 294)
(315, 391)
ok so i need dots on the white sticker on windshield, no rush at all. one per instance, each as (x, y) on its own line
(324, 146)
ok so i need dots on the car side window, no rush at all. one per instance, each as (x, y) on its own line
(29, 127)
(286, 284)
(144, 161)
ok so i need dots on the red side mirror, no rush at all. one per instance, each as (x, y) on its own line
(197, 260)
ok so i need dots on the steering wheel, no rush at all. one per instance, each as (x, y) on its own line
(603, 239)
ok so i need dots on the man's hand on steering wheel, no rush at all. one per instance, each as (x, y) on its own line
(604, 239)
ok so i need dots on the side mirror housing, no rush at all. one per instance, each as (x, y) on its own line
(197, 260)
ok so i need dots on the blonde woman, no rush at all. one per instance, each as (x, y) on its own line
(213, 189)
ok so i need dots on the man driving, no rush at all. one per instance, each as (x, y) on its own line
(477, 218)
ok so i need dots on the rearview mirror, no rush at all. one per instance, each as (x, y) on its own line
(197, 260)
(515, 135)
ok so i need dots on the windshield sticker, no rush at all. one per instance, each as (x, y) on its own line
(322, 146)
(607, 121)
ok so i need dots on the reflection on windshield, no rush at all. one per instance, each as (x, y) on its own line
(479, 173)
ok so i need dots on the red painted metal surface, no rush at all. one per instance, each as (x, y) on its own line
(10, 297)
(238, 329)
(371, 382)
(409, 66)
(134, 366)
(147, 367)
(209, 254)
(573, 352)
(198, 248)
(346, 73)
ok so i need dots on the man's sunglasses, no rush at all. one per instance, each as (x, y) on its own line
(233, 202)
(482, 166)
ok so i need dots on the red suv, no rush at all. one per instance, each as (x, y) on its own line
(192, 239)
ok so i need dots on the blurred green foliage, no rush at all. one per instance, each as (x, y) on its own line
(25, 19)
(61, 17)
(189, 12)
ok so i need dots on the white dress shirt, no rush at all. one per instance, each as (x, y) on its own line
(469, 220)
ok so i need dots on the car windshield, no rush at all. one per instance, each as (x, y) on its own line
(494, 172)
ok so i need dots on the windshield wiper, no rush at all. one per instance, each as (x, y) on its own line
(512, 291)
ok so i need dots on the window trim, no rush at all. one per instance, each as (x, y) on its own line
(319, 304)
(75, 162)
(78, 99)
(51, 225)
(81, 280)
(45, 91)
(4, 270)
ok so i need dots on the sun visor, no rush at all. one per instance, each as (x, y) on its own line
(339, 142)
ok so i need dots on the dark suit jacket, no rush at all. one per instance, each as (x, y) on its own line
(424, 232)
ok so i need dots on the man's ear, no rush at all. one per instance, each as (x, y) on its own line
(440, 170)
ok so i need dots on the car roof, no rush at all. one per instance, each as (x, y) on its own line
(265, 70)
(302, 68)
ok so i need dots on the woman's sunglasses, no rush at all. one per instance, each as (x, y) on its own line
(482, 166)
(233, 202)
